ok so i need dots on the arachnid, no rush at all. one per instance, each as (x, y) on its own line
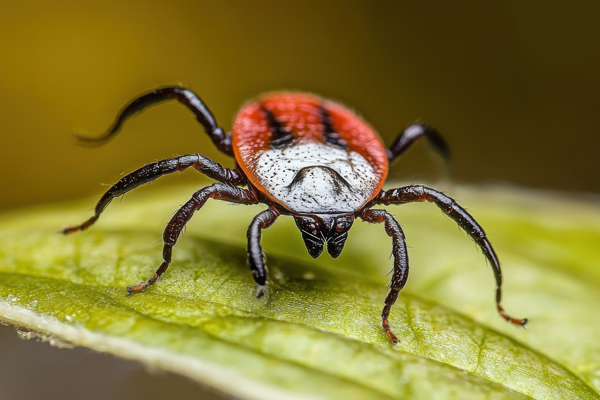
(305, 157)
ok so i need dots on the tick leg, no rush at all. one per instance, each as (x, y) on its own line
(182, 95)
(154, 171)
(411, 134)
(400, 275)
(218, 191)
(255, 254)
(417, 193)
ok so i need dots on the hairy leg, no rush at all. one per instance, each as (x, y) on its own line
(400, 275)
(418, 193)
(154, 171)
(255, 254)
(217, 191)
(184, 96)
(413, 133)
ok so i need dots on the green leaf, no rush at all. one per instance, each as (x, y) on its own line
(317, 332)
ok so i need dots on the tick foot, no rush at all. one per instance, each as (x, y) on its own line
(508, 318)
(69, 229)
(85, 225)
(137, 288)
(142, 286)
(261, 290)
(388, 332)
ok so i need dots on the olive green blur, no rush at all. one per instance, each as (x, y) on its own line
(514, 86)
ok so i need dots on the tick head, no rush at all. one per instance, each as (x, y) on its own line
(317, 229)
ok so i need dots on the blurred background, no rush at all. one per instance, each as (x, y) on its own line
(514, 87)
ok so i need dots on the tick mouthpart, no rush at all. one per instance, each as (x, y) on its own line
(319, 229)
(313, 243)
(336, 243)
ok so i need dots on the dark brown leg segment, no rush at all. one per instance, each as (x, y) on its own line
(186, 97)
(411, 134)
(154, 171)
(218, 191)
(400, 275)
(449, 207)
(255, 254)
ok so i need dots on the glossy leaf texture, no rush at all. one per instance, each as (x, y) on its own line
(317, 332)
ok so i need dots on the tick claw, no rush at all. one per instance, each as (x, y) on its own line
(69, 229)
(392, 337)
(134, 289)
(386, 327)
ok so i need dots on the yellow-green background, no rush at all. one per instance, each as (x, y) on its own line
(514, 86)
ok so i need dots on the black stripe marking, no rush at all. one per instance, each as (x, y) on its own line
(282, 137)
(331, 136)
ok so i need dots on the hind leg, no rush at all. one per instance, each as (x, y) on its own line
(184, 96)
(413, 133)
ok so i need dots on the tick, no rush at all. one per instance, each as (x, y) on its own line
(305, 157)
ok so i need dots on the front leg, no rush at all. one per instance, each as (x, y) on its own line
(218, 191)
(256, 257)
(400, 275)
(155, 170)
(418, 193)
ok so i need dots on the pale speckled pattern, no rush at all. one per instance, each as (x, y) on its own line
(318, 189)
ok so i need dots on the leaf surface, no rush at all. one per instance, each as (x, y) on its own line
(317, 332)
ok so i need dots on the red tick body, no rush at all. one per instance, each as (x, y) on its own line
(339, 166)
(305, 157)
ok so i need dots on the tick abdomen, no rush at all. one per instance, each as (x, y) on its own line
(316, 178)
